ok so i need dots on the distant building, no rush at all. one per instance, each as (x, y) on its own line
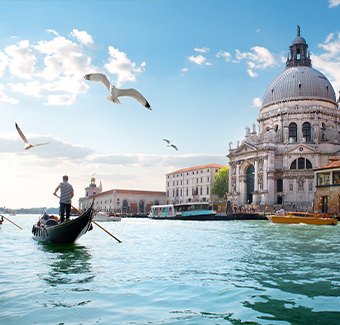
(120, 200)
(192, 184)
(298, 130)
(327, 194)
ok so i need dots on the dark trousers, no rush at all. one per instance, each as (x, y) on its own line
(65, 207)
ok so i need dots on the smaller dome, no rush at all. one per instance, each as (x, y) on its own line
(299, 40)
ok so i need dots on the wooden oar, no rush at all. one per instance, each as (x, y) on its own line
(11, 221)
(95, 223)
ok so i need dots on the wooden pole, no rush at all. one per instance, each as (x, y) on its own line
(11, 221)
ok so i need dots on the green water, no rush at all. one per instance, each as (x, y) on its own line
(172, 272)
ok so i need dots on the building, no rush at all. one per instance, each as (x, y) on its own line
(298, 130)
(327, 193)
(119, 200)
(192, 184)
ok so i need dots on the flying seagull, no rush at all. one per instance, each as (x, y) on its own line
(115, 92)
(170, 144)
(27, 145)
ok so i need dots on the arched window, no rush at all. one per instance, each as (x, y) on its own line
(301, 163)
(308, 164)
(293, 165)
(306, 131)
(292, 132)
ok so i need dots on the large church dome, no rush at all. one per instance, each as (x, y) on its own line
(299, 81)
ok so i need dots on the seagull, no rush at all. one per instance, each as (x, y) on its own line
(27, 145)
(170, 144)
(115, 92)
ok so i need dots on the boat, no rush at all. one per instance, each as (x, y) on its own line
(49, 229)
(183, 211)
(106, 216)
(303, 217)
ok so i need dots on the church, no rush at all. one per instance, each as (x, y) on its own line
(298, 130)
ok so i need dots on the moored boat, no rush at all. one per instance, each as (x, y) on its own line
(106, 216)
(301, 217)
(183, 211)
(51, 231)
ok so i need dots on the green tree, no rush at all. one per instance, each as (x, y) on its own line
(221, 184)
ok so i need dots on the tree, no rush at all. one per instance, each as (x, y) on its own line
(221, 183)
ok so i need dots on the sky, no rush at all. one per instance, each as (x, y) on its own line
(202, 65)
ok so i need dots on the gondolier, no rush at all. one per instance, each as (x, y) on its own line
(66, 195)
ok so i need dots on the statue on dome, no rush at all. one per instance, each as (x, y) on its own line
(298, 30)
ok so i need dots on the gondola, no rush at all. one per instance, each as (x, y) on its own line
(63, 233)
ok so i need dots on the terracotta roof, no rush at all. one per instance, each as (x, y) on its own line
(334, 163)
(119, 191)
(197, 167)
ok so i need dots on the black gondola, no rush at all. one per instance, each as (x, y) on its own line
(64, 233)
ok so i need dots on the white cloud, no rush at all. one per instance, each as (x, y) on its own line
(5, 98)
(120, 65)
(202, 50)
(185, 69)
(257, 102)
(52, 31)
(329, 62)
(259, 58)
(83, 37)
(225, 55)
(333, 3)
(3, 63)
(22, 60)
(199, 59)
(60, 100)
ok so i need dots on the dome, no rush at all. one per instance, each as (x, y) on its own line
(299, 83)
(299, 40)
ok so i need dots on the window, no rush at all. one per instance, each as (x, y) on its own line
(187, 181)
(279, 185)
(207, 190)
(201, 190)
(201, 179)
(292, 132)
(336, 177)
(323, 178)
(187, 192)
(293, 165)
(301, 163)
(177, 192)
(306, 132)
(208, 179)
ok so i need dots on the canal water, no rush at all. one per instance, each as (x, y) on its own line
(172, 272)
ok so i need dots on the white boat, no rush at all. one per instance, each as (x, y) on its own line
(183, 211)
(106, 216)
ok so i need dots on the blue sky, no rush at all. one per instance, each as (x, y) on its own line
(202, 65)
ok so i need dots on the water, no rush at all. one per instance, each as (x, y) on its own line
(172, 272)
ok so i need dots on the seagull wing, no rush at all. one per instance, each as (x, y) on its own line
(21, 134)
(166, 140)
(98, 77)
(174, 146)
(40, 144)
(133, 93)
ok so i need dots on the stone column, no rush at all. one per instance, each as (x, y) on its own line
(256, 182)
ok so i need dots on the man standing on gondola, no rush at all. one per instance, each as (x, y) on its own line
(66, 195)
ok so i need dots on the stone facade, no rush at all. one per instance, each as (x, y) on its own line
(192, 184)
(298, 130)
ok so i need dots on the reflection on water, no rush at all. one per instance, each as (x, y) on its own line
(69, 270)
(292, 313)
